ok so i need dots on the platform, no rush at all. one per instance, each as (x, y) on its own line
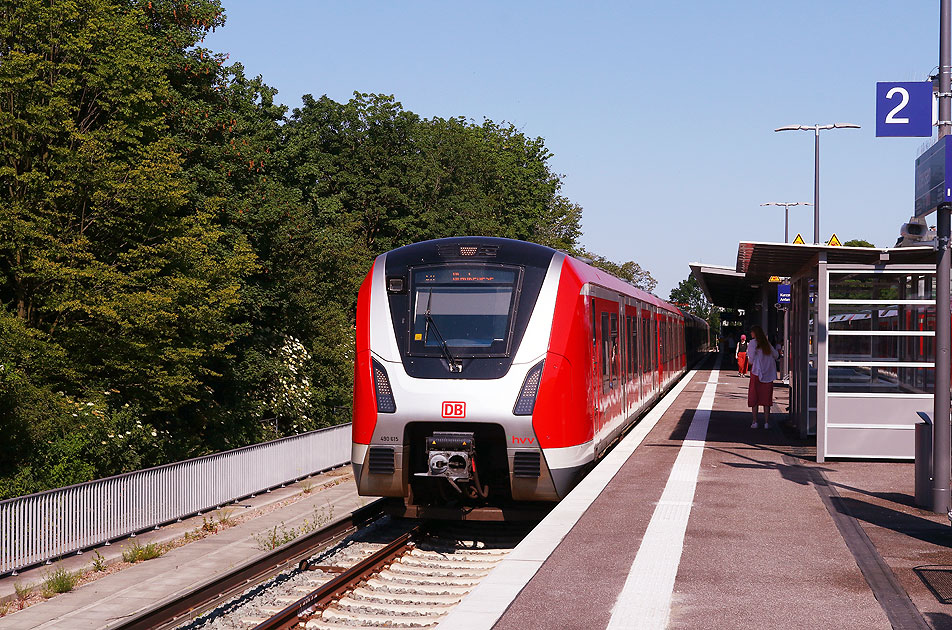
(747, 532)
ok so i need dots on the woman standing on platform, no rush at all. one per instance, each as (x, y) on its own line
(740, 353)
(763, 371)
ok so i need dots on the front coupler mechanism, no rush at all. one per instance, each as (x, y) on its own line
(452, 456)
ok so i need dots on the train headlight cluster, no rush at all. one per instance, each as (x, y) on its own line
(530, 389)
(385, 401)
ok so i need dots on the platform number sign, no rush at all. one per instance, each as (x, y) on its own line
(904, 109)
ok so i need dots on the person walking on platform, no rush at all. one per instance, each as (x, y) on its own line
(763, 372)
(740, 353)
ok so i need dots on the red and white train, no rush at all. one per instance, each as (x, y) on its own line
(494, 372)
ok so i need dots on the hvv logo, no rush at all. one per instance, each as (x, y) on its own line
(454, 409)
(520, 440)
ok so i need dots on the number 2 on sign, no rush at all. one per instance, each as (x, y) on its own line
(891, 116)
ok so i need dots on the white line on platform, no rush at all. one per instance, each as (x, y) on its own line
(645, 600)
(483, 607)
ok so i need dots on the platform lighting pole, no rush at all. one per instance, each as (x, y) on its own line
(816, 166)
(941, 431)
(786, 214)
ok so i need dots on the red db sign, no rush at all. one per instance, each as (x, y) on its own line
(454, 409)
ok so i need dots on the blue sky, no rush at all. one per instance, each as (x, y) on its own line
(660, 115)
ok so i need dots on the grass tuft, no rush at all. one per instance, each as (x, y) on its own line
(138, 553)
(23, 591)
(59, 580)
(99, 563)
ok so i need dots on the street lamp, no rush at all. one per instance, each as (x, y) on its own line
(816, 168)
(786, 214)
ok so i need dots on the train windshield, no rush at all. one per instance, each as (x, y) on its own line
(464, 308)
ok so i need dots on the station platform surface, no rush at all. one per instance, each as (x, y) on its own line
(696, 520)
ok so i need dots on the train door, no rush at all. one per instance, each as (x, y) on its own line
(644, 352)
(631, 342)
(622, 356)
(652, 351)
(668, 347)
(656, 361)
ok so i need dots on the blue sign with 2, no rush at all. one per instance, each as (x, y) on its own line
(904, 109)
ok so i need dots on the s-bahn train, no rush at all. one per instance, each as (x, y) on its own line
(493, 373)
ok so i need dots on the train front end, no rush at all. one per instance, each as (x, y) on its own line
(452, 341)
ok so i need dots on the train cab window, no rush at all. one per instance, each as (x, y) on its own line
(467, 307)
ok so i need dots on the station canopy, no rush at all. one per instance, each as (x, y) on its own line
(738, 286)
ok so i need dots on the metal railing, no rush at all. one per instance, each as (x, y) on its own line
(39, 527)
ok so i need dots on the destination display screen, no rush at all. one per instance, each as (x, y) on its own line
(467, 274)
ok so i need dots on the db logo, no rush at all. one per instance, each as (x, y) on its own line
(453, 409)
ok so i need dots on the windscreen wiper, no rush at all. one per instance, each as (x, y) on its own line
(455, 365)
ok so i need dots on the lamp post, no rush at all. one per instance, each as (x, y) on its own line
(786, 214)
(816, 167)
(941, 429)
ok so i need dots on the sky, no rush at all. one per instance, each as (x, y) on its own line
(659, 115)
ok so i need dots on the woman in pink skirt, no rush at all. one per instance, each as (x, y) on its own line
(762, 358)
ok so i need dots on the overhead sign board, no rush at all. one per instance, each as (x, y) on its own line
(904, 109)
(933, 173)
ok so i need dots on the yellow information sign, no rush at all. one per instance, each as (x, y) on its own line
(834, 242)
(798, 240)
(774, 279)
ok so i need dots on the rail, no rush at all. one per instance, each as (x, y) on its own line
(39, 527)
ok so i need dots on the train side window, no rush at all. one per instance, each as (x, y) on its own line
(591, 302)
(614, 348)
(606, 354)
(634, 345)
(645, 344)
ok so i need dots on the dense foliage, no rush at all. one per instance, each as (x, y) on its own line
(689, 297)
(180, 255)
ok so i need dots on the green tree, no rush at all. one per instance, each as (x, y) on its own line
(108, 268)
(858, 242)
(629, 271)
(689, 297)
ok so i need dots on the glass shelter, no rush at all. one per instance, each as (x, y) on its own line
(860, 328)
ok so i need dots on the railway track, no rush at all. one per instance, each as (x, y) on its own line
(365, 571)
(257, 571)
(412, 582)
